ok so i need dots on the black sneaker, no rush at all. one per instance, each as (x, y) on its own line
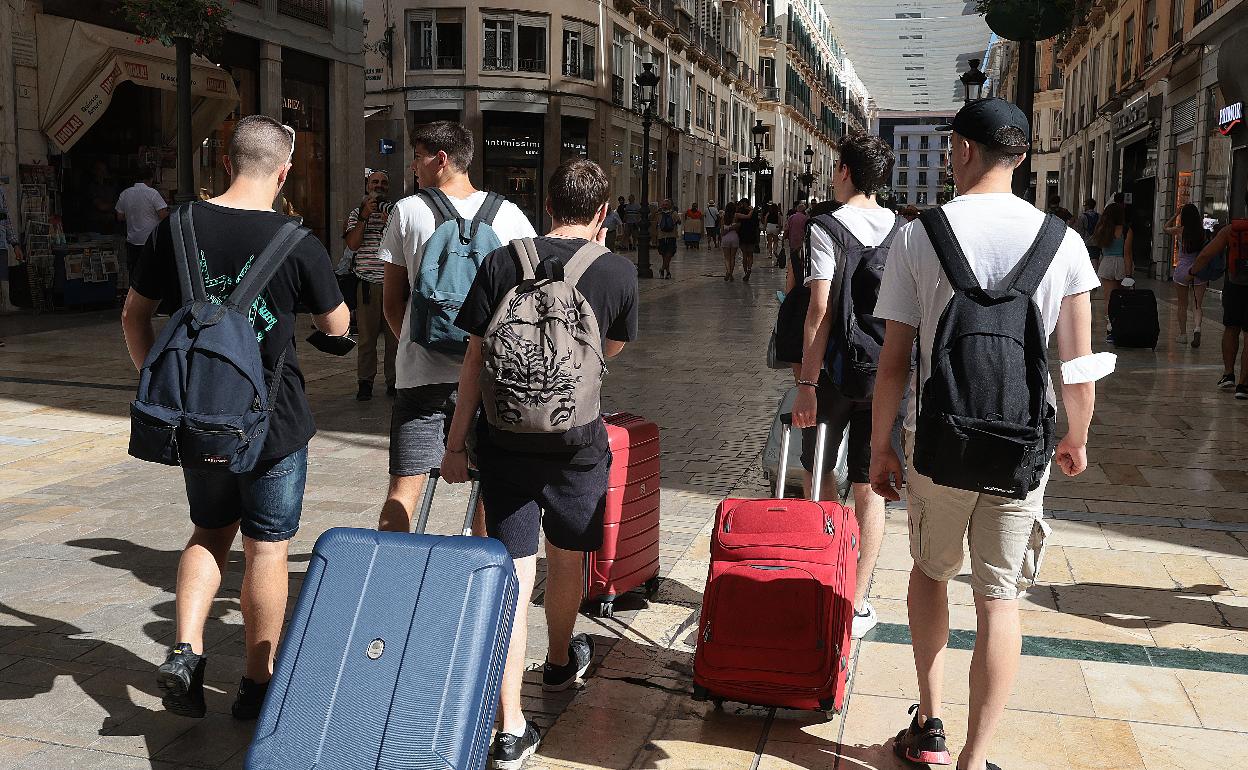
(365, 393)
(249, 700)
(990, 766)
(1196, 338)
(181, 678)
(1241, 392)
(510, 752)
(1227, 382)
(580, 654)
(924, 744)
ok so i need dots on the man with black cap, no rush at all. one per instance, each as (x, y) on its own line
(995, 230)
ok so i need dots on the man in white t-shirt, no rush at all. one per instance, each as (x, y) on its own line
(866, 164)
(1006, 536)
(427, 380)
(141, 208)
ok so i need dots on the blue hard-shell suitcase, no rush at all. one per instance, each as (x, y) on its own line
(394, 655)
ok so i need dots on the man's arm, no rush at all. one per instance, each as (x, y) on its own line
(163, 212)
(1128, 254)
(1074, 340)
(612, 348)
(394, 295)
(336, 322)
(455, 461)
(814, 343)
(1212, 249)
(136, 325)
(891, 380)
(357, 221)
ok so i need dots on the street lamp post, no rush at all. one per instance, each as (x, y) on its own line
(807, 179)
(973, 81)
(759, 134)
(647, 81)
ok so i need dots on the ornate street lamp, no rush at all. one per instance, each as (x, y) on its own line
(973, 81)
(759, 164)
(807, 179)
(647, 83)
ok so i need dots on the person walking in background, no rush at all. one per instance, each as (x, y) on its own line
(1056, 208)
(614, 225)
(10, 248)
(1085, 225)
(747, 220)
(773, 221)
(365, 225)
(730, 240)
(693, 225)
(1189, 228)
(665, 224)
(1232, 240)
(141, 208)
(713, 218)
(795, 232)
(1112, 236)
(631, 213)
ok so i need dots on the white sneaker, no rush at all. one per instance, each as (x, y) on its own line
(1182, 340)
(864, 621)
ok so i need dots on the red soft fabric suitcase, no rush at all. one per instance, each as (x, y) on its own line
(629, 556)
(776, 615)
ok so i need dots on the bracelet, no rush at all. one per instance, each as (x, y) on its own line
(456, 451)
(808, 383)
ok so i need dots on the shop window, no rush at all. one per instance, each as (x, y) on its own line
(578, 49)
(514, 43)
(305, 102)
(435, 40)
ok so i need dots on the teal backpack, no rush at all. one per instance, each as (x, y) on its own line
(448, 267)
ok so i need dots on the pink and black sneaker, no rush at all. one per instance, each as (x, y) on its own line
(923, 744)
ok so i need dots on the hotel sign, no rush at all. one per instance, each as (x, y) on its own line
(1230, 116)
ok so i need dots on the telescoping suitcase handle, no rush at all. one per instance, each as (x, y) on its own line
(426, 502)
(821, 445)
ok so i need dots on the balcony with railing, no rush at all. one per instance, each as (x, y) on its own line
(430, 62)
(770, 31)
(665, 20)
(1203, 11)
(311, 11)
(583, 70)
(771, 93)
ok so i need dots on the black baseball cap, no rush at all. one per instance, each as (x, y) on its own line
(980, 119)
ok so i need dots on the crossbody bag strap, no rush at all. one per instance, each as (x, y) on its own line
(186, 254)
(526, 250)
(265, 266)
(1026, 276)
(948, 250)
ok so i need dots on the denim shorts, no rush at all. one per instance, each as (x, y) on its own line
(266, 502)
(418, 426)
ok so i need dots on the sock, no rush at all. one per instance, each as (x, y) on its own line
(524, 726)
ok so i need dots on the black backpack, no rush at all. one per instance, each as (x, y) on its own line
(854, 343)
(203, 400)
(984, 419)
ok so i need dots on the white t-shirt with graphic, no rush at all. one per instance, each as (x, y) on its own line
(403, 244)
(995, 230)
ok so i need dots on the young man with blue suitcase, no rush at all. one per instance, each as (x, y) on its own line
(542, 448)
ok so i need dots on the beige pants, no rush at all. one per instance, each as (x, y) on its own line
(372, 323)
(1006, 536)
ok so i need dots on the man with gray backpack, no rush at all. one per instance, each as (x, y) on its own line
(981, 283)
(221, 394)
(545, 315)
(432, 248)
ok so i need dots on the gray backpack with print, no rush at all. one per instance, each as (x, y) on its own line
(541, 378)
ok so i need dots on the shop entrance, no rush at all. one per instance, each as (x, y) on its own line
(513, 160)
(1139, 181)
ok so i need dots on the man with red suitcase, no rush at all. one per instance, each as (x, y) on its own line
(544, 314)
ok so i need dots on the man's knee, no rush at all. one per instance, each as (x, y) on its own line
(265, 549)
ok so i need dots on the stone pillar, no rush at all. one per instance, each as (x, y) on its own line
(346, 145)
(270, 85)
(552, 138)
(473, 122)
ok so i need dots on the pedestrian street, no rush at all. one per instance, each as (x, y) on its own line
(1136, 638)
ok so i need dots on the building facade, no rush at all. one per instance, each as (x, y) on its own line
(921, 157)
(1047, 119)
(540, 82)
(1153, 91)
(811, 98)
(84, 106)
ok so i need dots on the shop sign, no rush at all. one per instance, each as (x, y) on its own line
(385, 146)
(576, 147)
(1135, 115)
(1230, 116)
(372, 74)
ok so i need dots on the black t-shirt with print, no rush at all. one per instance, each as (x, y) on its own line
(609, 286)
(228, 240)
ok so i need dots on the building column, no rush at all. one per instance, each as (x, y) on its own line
(474, 122)
(346, 156)
(270, 85)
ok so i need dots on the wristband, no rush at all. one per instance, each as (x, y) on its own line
(1088, 368)
(808, 383)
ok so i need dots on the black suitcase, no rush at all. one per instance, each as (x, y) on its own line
(394, 655)
(1133, 317)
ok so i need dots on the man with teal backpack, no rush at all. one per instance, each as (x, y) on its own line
(433, 245)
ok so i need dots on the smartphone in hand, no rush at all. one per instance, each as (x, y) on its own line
(326, 343)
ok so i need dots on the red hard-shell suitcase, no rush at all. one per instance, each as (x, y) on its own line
(629, 556)
(776, 615)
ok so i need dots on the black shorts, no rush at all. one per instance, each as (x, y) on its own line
(523, 494)
(842, 413)
(1234, 305)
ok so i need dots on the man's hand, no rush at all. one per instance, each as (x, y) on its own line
(886, 474)
(454, 468)
(1072, 456)
(367, 208)
(805, 407)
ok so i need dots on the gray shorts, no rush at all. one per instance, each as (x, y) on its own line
(418, 427)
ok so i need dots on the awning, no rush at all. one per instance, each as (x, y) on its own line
(78, 72)
(371, 111)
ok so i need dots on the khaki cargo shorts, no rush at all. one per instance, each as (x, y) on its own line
(1006, 536)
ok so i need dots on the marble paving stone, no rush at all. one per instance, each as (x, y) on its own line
(1137, 693)
(1166, 747)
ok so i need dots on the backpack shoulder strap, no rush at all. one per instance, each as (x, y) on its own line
(186, 254)
(489, 209)
(1029, 272)
(948, 250)
(888, 239)
(443, 209)
(526, 250)
(839, 232)
(585, 256)
(265, 266)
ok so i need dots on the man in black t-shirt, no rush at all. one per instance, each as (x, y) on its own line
(569, 487)
(266, 502)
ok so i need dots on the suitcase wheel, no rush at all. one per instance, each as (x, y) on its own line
(606, 609)
(652, 587)
(829, 708)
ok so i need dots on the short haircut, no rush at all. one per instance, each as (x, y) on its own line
(1090, 203)
(578, 189)
(449, 137)
(146, 174)
(869, 160)
(260, 146)
(997, 156)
